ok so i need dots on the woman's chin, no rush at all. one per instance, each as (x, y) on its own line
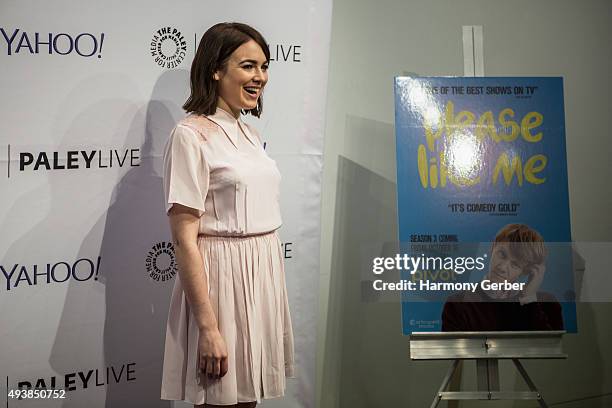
(248, 105)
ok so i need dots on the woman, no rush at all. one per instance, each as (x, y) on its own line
(229, 339)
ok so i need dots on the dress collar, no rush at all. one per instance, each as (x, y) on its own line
(232, 127)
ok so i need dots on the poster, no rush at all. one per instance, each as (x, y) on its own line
(474, 156)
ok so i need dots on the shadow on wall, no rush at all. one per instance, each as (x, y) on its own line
(135, 305)
(374, 368)
(364, 341)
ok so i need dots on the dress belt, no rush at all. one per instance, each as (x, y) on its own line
(258, 234)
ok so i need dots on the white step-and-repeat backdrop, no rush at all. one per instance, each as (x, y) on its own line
(89, 93)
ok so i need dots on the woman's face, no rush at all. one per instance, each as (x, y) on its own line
(242, 80)
(505, 266)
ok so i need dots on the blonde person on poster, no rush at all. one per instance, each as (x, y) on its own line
(229, 340)
(518, 250)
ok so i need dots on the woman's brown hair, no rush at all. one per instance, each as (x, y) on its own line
(215, 48)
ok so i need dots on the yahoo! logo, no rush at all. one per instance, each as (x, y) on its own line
(83, 44)
(17, 275)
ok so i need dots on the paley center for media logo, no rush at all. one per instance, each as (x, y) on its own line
(168, 47)
(160, 262)
(40, 161)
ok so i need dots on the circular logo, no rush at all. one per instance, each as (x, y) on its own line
(168, 47)
(161, 262)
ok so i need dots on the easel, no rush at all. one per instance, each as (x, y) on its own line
(487, 348)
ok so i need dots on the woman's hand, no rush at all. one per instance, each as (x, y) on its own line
(536, 276)
(213, 354)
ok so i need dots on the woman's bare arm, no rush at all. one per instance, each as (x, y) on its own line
(184, 224)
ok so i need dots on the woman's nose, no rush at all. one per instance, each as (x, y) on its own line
(259, 75)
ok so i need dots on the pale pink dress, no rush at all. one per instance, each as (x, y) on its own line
(217, 165)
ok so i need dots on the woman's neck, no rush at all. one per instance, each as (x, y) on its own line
(221, 104)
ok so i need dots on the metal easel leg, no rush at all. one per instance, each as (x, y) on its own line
(445, 381)
(530, 383)
(487, 375)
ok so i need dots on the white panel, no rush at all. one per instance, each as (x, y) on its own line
(473, 52)
(478, 51)
(108, 115)
(468, 51)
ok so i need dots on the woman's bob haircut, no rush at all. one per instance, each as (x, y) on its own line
(215, 48)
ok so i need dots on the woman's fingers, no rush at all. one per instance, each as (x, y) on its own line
(214, 367)
(206, 364)
(210, 366)
(214, 355)
(217, 368)
(203, 365)
(224, 367)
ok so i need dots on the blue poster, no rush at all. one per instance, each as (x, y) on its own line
(482, 162)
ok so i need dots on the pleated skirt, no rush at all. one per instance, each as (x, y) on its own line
(248, 294)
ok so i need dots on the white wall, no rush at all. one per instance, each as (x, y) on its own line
(362, 356)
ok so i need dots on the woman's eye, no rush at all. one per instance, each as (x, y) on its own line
(264, 68)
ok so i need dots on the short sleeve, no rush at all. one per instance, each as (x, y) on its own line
(186, 173)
